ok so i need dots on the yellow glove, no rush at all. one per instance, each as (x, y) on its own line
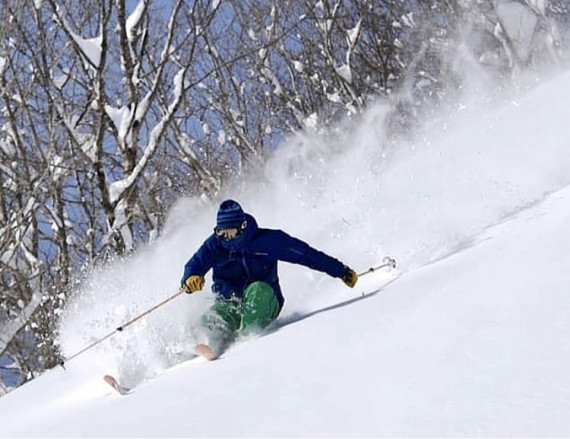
(193, 284)
(350, 277)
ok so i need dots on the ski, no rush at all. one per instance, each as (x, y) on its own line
(115, 385)
(205, 351)
(201, 350)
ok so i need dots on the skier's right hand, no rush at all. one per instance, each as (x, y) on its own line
(193, 284)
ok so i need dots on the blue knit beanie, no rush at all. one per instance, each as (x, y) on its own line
(230, 214)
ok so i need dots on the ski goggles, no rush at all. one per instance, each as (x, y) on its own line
(229, 233)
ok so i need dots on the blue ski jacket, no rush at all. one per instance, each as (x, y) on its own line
(253, 257)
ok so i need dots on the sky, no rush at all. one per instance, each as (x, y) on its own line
(469, 340)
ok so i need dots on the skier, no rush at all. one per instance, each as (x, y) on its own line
(244, 260)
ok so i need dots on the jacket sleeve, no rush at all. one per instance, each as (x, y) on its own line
(201, 262)
(290, 249)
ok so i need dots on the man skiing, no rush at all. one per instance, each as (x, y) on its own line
(244, 260)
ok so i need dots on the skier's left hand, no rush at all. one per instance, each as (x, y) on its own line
(350, 277)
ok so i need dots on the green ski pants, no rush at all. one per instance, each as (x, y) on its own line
(231, 318)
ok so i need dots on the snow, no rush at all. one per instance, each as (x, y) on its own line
(311, 121)
(520, 24)
(179, 84)
(90, 47)
(222, 137)
(471, 339)
(56, 167)
(134, 19)
(352, 34)
(344, 72)
(121, 118)
(117, 188)
(206, 128)
(408, 19)
(539, 5)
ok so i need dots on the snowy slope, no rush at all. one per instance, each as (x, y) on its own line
(471, 340)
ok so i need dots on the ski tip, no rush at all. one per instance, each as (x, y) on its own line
(115, 385)
(205, 351)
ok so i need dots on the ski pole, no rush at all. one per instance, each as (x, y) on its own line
(121, 328)
(386, 262)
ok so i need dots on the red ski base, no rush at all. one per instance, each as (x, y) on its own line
(205, 351)
(115, 385)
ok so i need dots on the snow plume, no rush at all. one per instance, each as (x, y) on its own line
(352, 193)
(121, 290)
(349, 192)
